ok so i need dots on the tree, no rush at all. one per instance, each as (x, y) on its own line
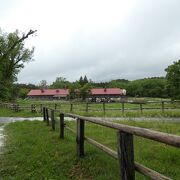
(43, 84)
(173, 79)
(81, 81)
(85, 80)
(13, 55)
(85, 91)
(60, 82)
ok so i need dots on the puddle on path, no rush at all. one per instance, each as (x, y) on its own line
(1, 136)
(14, 119)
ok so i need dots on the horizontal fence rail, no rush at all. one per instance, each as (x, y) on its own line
(125, 151)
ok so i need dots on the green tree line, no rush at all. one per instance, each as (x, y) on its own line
(162, 87)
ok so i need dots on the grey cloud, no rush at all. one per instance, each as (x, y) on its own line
(147, 42)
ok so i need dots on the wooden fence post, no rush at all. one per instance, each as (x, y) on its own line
(14, 107)
(141, 108)
(33, 108)
(41, 108)
(87, 107)
(47, 117)
(55, 106)
(126, 155)
(122, 107)
(71, 107)
(80, 138)
(44, 113)
(62, 126)
(52, 120)
(17, 108)
(163, 106)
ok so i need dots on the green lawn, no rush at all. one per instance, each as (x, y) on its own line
(9, 113)
(34, 151)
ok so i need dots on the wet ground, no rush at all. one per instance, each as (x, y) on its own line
(1, 137)
(5, 120)
(14, 119)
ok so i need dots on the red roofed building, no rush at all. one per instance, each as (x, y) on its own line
(107, 93)
(49, 94)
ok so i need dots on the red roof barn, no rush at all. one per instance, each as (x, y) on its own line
(48, 93)
(107, 93)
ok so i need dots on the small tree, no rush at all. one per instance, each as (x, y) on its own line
(43, 84)
(85, 91)
(81, 81)
(13, 55)
(173, 79)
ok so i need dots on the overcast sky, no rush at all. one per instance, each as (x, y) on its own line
(103, 39)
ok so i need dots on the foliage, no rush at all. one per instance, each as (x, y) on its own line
(83, 81)
(148, 87)
(60, 83)
(13, 55)
(43, 84)
(85, 91)
(173, 79)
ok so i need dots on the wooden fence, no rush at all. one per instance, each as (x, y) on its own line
(125, 133)
(100, 107)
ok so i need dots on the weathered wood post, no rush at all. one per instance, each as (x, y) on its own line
(126, 155)
(47, 117)
(87, 105)
(61, 135)
(122, 107)
(162, 103)
(33, 108)
(14, 107)
(44, 113)
(40, 108)
(17, 108)
(80, 138)
(52, 120)
(141, 108)
(71, 107)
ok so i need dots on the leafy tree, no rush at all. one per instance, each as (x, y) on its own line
(13, 55)
(85, 91)
(148, 87)
(60, 82)
(173, 79)
(43, 84)
(74, 90)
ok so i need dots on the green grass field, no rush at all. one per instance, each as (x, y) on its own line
(34, 151)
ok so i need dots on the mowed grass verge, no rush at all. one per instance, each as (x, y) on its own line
(34, 151)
